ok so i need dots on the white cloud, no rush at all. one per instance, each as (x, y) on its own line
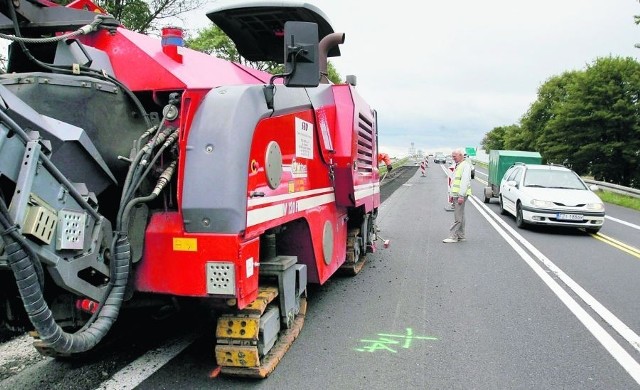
(441, 74)
(445, 73)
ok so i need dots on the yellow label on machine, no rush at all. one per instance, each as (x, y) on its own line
(185, 244)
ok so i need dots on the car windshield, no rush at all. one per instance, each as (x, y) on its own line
(548, 178)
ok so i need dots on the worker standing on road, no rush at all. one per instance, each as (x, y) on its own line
(460, 191)
(383, 157)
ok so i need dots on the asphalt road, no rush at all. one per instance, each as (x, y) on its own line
(395, 179)
(423, 314)
(482, 314)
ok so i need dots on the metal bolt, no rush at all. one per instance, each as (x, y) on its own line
(209, 148)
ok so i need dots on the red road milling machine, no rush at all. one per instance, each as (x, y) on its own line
(134, 172)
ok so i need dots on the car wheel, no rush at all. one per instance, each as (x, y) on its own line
(502, 210)
(519, 218)
(487, 194)
(593, 230)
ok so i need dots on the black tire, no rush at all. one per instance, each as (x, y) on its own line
(519, 218)
(593, 230)
(502, 210)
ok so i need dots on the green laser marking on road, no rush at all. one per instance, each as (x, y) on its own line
(391, 342)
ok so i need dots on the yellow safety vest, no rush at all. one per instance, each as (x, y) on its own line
(457, 178)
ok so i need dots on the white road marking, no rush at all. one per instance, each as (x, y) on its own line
(146, 365)
(623, 222)
(615, 349)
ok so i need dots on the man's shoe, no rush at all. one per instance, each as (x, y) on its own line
(448, 240)
(462, 239)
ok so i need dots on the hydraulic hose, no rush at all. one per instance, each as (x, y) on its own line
(27, 270)
(164, 179)
(38, 311)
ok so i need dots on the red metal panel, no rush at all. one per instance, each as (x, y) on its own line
(197, 70)
(167, 268)
(317, 219)
(351, 174)
(305, 192)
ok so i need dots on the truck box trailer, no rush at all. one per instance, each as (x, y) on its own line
(499, 162)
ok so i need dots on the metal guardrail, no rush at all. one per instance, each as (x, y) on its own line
(615, 188)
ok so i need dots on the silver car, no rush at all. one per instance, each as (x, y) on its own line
(439, 158)
(550, 195)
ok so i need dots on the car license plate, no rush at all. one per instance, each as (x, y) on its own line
(569, 217)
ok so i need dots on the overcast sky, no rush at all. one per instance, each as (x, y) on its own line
(441, 74)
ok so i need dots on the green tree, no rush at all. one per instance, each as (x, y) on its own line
(142, 15)
(599, 122)
(537, 134)
(494, 139)
(332, 73)
(515, 138)
(212, 40)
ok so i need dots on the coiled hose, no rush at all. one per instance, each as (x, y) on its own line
(41, 316)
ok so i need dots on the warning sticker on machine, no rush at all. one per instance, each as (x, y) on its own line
(185, 244)
(304, 139)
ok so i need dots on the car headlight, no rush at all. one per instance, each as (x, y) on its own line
(595, 206)
(542, 203)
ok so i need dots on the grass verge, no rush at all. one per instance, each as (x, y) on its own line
(619, 199)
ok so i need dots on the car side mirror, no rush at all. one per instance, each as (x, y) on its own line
(512, 183)
(301, 54)
(594, 188)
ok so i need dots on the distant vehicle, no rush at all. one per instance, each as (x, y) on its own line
(473, 165)
(439, 158)
(539, 194)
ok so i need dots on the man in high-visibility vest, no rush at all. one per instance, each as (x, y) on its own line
(383, 157)
(460, 191)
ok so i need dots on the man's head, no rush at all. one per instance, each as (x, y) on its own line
(458, 155)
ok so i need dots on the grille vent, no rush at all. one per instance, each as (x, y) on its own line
(365, 144)
(221, 278)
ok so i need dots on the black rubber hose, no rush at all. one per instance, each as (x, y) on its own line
(28, 273)
(41, 316)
